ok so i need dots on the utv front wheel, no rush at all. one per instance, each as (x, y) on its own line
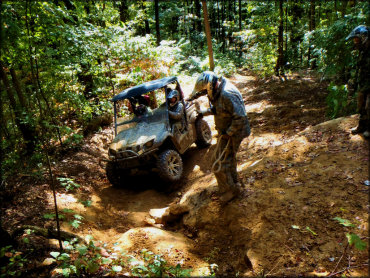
(170, 165)
(116, 175)
(204, 133)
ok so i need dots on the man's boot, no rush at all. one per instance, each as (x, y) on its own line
(360, 128)
(226, 197)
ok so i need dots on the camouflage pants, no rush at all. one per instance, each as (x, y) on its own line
(227, 176)
(363, 106)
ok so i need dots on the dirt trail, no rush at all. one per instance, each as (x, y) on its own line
(299, 170)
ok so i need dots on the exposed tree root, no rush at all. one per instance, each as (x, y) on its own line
(48, 233)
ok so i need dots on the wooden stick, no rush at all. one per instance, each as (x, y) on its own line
(345, 249)
(347, 268)
(273, 267)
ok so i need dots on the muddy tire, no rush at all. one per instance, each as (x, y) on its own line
(204, 133)
(170, 166)
(115, 175)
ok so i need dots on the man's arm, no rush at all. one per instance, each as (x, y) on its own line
(196, 95)
(235, 106)
(177, 114)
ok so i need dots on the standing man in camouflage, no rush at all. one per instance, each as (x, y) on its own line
(232, 125)
(361, 40)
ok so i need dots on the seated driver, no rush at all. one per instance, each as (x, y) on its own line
(139, 105)
(176, 109)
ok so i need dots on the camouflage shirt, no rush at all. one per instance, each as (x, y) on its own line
(229, 111)
(364, 70)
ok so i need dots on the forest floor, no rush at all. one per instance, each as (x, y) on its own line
(300, 170)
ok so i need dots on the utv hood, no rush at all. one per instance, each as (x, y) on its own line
(136, 137)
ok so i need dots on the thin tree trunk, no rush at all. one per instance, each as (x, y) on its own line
(279, 62)
(28, 132)
(123, 11)
(156, 8)
(286, 27)
(208, 35)
(218, 29)
(222, 29)
(18, 89)
(240, 15)
(36, 80)
(344, 7)
(312, 27)
(1, 114)
(146, 22)
(197, 13)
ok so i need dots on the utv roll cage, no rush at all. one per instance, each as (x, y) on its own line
(143, 89)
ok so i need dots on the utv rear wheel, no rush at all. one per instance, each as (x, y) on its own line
(204, 133)
(170, 166)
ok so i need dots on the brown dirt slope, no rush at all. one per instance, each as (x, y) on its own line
(300, 170)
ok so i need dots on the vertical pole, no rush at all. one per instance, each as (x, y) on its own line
(208, 35)
(115, 119)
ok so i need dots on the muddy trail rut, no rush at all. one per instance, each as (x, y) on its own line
(300, 170)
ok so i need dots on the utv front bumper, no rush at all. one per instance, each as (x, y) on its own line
(128, 159)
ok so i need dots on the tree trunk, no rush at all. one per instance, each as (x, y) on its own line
(197, 13)
(27, 131)
(123, 11)
(280, 60)
(218, 28)
(344, 7)
(312, 27)
(230, 18)
(240, 15)
(18, 89)
(157, 22)
(222, 27)
(146, 22)
(296, 12)
(286, 29)
(2, 139)
(208, 35)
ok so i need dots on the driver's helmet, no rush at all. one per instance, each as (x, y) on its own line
(140, 110)
(362, 32)
(206, 82)
(173, 94)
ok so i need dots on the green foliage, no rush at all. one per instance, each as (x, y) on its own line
(356, 240)
(86, 203)
(68, 184)
(87, 259)
(74, 220)
(16, 263)
(353, 239)
(155, 265)
(52, 216)
(344, 222)
(339, 101)
(80, 259)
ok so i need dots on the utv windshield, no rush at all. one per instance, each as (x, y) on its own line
(147, 109)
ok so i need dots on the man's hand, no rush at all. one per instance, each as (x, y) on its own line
(224, 135)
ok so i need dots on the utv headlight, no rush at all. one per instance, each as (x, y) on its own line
(149, 144)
